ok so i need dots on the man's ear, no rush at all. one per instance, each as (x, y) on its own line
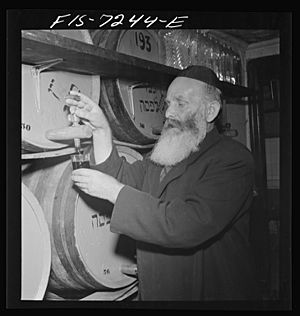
(212, 111)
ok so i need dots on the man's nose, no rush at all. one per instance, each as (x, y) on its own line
(171, 111)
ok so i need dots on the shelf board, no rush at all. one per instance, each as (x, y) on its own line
(41, 46)
(71, 150)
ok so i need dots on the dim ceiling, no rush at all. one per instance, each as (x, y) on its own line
(252, 36)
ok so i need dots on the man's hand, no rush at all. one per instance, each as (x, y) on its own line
(97, 184)
(87, 110)
(91, 114)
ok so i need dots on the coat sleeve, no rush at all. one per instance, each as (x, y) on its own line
(119, 168)
(209, 206)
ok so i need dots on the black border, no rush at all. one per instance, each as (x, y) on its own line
(18, 19)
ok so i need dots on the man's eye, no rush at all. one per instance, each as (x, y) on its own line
(181, 104)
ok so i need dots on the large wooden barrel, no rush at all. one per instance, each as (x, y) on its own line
(126, 293)
(135, 110)
(35, 247)
(85, 254)
(43, 99)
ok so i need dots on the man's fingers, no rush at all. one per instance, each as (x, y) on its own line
(88, 124)
(83, 114)
(72, 109)
(82, 186)
(83, 172)
(83, 97)
(81, 179)
(78, 104)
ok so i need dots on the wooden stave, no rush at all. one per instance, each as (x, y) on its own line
(115, 295)
(31, 200)
(55, 171)
(27, 145)
(50, 171)
(117, 114)
(111, 100)
(63, 244)
(121, 124)
(60, 277)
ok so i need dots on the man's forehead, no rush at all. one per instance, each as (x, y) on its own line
(183, 87)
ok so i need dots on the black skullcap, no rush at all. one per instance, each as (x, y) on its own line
(201, 73)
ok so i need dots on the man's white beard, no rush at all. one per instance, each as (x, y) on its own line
(175, 144)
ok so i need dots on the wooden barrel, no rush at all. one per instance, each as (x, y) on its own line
(43, 99)
(85, 254)
(35, 247)
(128, 293)
(135, 110)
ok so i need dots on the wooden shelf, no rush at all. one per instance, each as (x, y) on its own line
(41, 46)
(79, 57)
(71, 150)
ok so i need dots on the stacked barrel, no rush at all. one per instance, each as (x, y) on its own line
(68, 251)
(67, 230)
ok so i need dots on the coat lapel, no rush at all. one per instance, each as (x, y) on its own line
(211, 138)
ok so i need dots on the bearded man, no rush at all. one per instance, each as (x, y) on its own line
(186, 204)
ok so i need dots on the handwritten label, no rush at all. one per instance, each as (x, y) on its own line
(106, 271)
(25, 126)
(99, 220)
(111, 21)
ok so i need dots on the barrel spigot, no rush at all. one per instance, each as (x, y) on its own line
(76, 140)
(129, 269)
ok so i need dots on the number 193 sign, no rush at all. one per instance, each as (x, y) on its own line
(146, 104)
(140, 43)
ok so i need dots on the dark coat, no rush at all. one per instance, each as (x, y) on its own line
(192, 228)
